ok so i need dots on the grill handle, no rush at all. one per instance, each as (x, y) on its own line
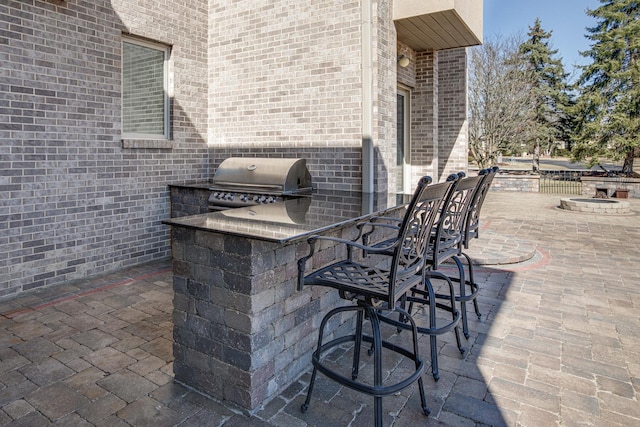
(248, 185)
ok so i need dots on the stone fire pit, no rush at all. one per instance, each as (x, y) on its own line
(597, 206)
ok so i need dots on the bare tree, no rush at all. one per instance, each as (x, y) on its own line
(501, 101)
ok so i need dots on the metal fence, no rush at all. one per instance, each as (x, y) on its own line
(561, 181)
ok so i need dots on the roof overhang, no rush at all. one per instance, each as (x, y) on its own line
(438, 24)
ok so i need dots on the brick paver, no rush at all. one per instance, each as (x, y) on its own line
(557, 344)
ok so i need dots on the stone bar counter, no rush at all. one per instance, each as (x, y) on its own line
(242, 332)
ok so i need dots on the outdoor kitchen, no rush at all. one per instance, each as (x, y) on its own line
(164, 165)
(242, 331)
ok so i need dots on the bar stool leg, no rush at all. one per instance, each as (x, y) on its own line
(462, 297)
(358, 343)
(414, 334)
(472, 284)
(433, 343)
(377, 364)
(305, 406)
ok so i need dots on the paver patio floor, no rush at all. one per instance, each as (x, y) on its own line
(558, 343)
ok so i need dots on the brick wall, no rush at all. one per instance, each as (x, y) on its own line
(75, 203)
(406, 76)
(591, 184)
(385, 89)
(438, 83)
(521, 183)
(285, 80)
(452, 112)
(246, 78)
(424, 119)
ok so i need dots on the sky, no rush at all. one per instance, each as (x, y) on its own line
(566, 19)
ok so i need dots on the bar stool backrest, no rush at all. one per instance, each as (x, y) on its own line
(449, 229)
(472, 222)
(414, 234)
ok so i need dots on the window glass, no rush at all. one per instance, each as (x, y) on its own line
(144, 90)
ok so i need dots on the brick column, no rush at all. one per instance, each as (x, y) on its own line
(452, 124)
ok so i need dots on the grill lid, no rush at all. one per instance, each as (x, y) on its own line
(264, 175)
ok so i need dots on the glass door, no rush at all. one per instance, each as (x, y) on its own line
(403, 175)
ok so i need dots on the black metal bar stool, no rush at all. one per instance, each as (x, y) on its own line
(464, 221)
(445, 245)
(424, 294)
(448, 240)
(472, 225)
(374, 290)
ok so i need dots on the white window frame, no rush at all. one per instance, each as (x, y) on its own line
(166, 135)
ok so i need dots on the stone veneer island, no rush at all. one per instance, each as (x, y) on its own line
(242, 332)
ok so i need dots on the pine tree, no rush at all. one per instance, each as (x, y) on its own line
(550, 90)
(609, 102)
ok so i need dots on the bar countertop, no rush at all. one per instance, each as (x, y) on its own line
(296, 218)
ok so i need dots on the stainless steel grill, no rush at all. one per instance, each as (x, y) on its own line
(250, 181)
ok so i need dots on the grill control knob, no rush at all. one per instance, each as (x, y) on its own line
(216, 195)
(244, 198)
(262, 199)
(256, 198)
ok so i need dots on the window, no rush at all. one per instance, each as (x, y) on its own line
(145, 100)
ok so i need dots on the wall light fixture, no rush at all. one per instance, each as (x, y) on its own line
(403, 61)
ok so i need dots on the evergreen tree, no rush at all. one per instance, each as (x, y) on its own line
(550, 91)
(609, 102)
